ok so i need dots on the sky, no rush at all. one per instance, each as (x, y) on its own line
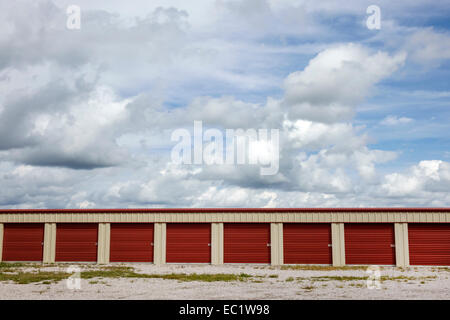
(87, 114)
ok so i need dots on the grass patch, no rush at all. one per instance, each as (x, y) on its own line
(321, 268)
(331, 278)
(128, 272)
(405, 279)
(308, 288)
(437, 269)
(118, 272)
(7, 265)
(363, 278)
(97, 282)
(200, 277)
(31, 277)
(289, 279)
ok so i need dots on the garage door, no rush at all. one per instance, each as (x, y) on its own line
(246, 243)
(23, 241)
(307, 243)
(429, 244)
(188, 243)
(76, 242)
(131, 242)
(369, 243)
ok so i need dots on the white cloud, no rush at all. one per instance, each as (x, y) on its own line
(427, 46)
(309, 135)
(111, 94)
(394, 120)
(335, 81)
(430, 176)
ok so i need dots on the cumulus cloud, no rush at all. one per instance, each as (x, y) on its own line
(335, 81)
(427, 176)
(86, 116)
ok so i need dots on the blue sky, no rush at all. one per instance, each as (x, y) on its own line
(86, 115)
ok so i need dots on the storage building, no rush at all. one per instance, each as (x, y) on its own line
(338, 237)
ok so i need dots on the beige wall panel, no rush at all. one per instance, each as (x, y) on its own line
(405, 244)
(49, 243)
(338, 244)
(1, 241)
(399, 254)
(107, 241)
(103, 243)
(276, 243)
(401, 244)
(159, 254)
(217, 243)
(302, 217)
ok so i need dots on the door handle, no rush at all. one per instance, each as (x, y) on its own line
(392, 245)
(330, 245)
(209, 244)
(268, 244)
(151, 244)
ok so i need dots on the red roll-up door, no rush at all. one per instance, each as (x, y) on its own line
(246, 243)
(23, 241)
(131, 242)
(429, 244)
(76, 242)
(307, 243)
(188, 243)
(369, 243)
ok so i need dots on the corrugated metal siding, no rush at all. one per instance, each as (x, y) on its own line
(369, 244)
(188, 243)
(234, 216)
(76, 242)
(23, 242)
(307, 243)
(131, 242)
(246, 243)
(429, 244)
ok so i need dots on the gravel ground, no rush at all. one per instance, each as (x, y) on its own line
(268, 283)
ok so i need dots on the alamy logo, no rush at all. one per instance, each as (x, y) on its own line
(373, 281)
(74, 281)
(239, 147)
(373, 22)
(73, 17)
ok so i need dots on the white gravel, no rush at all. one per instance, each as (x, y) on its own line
(427, 283)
